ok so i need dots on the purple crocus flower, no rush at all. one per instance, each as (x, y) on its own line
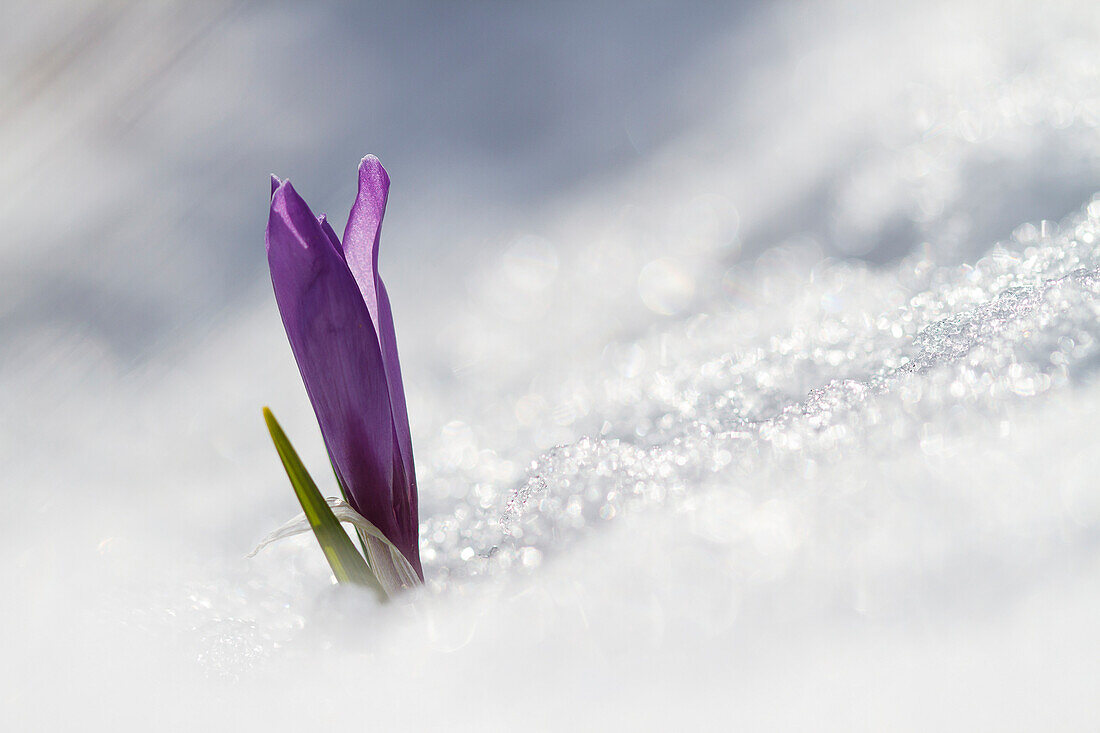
(337, 317)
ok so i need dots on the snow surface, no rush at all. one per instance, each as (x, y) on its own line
(788, 423)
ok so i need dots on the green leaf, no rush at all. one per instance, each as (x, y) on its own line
(347, 564)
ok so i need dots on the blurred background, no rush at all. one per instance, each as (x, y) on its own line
(144, 128)
(571, 180)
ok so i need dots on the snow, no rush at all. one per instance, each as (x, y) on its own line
(788, 423)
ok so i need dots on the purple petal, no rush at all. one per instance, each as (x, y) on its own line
(275, 183)
(402, 433)
(338, 355)
(331, 234)
(360, 246)
(364, 227)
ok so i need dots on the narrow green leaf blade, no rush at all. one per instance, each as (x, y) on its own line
(347, 564)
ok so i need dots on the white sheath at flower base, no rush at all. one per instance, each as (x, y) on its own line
(393, 571)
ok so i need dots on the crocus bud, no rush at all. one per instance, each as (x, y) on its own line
(338, 319)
